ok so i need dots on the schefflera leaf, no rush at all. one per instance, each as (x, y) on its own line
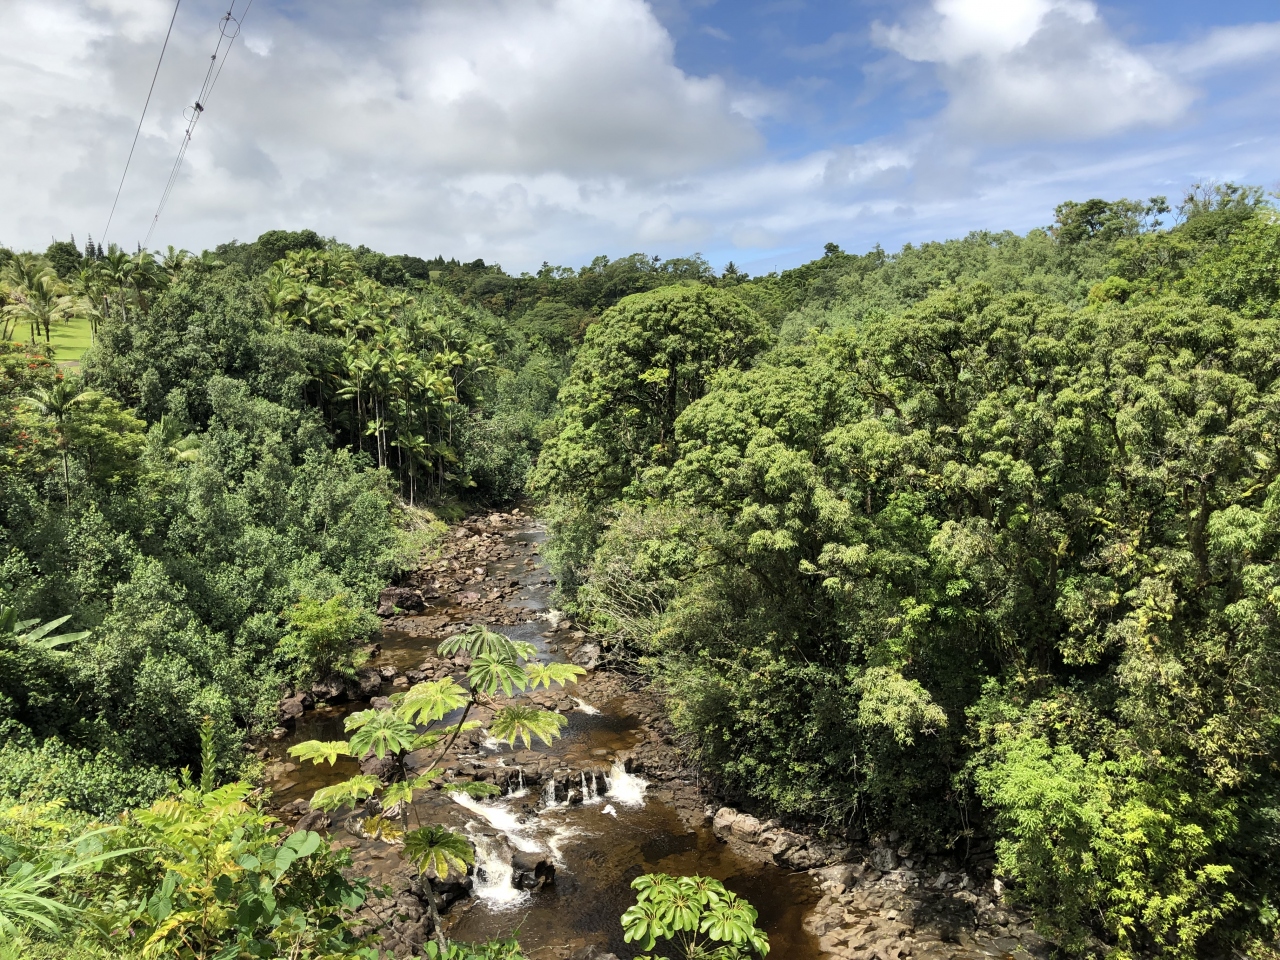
(321, 751)
(523, 722)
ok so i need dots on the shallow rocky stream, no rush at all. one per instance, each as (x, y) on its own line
(604, 804)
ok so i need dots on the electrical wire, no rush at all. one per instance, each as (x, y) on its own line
(228, 30)
(138, 132)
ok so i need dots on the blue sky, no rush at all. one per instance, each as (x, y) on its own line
(532, 130)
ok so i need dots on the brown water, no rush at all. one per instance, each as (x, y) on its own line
(626, 829)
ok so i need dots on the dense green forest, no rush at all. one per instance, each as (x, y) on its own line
(975, 539)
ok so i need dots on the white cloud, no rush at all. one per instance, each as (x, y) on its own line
(1036, 69)
(345, 113)
(531, 130)
(1226, 47)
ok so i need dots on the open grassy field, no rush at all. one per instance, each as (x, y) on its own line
(70, 340)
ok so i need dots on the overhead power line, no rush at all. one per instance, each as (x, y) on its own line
(228, 29)
(133, 146)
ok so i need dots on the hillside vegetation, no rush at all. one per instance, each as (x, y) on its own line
(975, 541)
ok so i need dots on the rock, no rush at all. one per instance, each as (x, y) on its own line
(592, 953)
(746, 828)
(403, 598)
(722, 824)
(884, 858)
(367, 683)
(531, 871)
(315, 820)
(844, 874)
(292, 708)
(587, 656)
(329, 690)
(383, 768)
(279, 733)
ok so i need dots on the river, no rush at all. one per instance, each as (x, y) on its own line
(615, 827)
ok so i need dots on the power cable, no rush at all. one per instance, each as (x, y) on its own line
(138, 132)
(228, 29)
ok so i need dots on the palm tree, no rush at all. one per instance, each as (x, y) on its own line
(57, 401)
(37, 296)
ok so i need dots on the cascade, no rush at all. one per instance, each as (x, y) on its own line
(625, 788)
(493, 873)
(585, 707)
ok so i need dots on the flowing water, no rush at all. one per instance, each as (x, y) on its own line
(622, 828)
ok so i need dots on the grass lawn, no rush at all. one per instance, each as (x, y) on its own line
(70, 340)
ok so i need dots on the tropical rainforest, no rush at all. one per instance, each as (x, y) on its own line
(972, 540)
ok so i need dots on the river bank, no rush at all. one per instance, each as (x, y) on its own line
(614, 798)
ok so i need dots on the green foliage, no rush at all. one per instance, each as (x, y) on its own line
(494, 950)
(703, 919)
(221, 878)
(999, 515)
(322, 636)
(645, 361)
(524, 723)
(436, 851)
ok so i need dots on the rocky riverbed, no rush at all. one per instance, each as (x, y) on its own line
(614, 798)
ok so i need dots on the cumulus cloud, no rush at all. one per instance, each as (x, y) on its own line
(387, 111)
(524, 130)
(1036, 69)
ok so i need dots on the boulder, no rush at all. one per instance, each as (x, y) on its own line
(292, 708)
(315, 820)
(746, 828)
(592, 953)
(383, 768)
(402, 598)
(722, 824)
(531, 871)
(586, 656)
(329, 690)
(884, 858)
(367, 684)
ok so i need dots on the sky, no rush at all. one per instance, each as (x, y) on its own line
(532, 131)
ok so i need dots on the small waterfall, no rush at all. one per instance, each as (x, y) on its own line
(516, 792)
(501, 819)
(493, 874)
(625, 788)
(585, 707)
(549, 792)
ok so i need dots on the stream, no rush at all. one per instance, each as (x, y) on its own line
(583, 804)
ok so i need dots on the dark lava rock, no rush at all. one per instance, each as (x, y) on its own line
(292, 708)
(531, 871)
(315, 820)
(592, 953)
(330, 690)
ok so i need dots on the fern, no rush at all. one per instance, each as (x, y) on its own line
(525, 722)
